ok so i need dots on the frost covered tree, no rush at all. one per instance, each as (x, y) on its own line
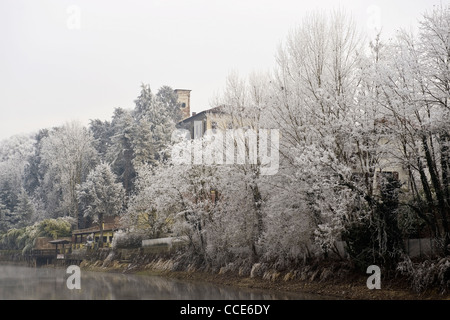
(67, 155)
(168, 100)
(120, 154)
(100, 195)
(316, 84)
(413, 81)
(34, 173)
(141, 135)
(334, 136)
(15, 154)
(155, 118)
(178, 199)
(243, 105)
(102, 132)
(24, 210)
(349, 117)
(151, 210)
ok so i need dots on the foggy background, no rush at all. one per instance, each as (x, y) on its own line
(78, 60)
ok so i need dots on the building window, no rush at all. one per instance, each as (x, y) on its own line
(198, 129)
(213, 196)
(183, 105)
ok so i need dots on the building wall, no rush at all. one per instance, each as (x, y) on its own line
(211, 120)
(189, 123)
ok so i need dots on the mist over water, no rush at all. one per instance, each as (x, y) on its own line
(25, 283)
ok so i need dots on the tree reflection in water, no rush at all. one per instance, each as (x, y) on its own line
(24, 283)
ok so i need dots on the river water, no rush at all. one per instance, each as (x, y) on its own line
(26, 283)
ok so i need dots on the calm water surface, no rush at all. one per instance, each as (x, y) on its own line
(25, 283)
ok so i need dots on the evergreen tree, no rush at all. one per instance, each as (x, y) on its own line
(24, 210)
(155, 122)
(144, 102)
(168, 99)
(102, 132)
(121, 154)
(33, 172)
(100, 195)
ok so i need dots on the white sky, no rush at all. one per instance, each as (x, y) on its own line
(66, 60)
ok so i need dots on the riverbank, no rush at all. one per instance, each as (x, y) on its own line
(352, 286)
(332, 280)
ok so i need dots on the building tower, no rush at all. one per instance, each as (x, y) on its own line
(184, 99)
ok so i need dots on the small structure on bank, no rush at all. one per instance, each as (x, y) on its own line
(61, 253)
(46, 250)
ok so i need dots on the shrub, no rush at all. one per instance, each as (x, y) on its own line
(428, 274)
(24, 238)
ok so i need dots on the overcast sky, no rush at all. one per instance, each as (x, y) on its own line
(78, 60)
